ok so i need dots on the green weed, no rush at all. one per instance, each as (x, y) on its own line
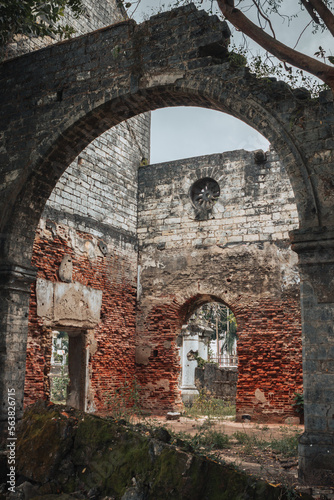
(205, 405)
(125, 402)
(287, 445)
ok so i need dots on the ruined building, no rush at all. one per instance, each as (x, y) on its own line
(119, 253)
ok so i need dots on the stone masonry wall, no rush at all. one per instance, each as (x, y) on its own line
(97, 15)
(92, 216)
(219, 382)
(98, 191)
(239, 255)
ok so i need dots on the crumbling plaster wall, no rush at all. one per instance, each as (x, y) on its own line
(240, 256)
(91, 216)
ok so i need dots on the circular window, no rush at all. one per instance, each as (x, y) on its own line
(204, 193)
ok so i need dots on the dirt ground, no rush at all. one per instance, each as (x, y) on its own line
(265, 464)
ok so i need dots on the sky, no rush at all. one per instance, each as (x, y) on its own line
(185, 132)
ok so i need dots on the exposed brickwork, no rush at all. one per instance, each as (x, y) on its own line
(269, 359)
(238, 255)
(160, 378)
(113, 360)
(58, 99)
(269, 350)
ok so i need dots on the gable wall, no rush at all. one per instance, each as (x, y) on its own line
(239, 255)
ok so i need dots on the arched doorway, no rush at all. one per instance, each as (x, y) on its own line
(208, 354)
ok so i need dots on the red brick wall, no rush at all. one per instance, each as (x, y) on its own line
(270, 359)
(269, 343)
(269, 350)
(113, 362)
(159, 379)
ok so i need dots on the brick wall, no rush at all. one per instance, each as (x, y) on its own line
(92, 215)
(238, 255)
(112, 342)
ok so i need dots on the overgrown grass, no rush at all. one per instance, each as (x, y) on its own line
(287, 445)
(205, 440)
(206, 405)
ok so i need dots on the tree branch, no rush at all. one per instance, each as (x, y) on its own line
(326, 15)
(284, 53)
(310, 10)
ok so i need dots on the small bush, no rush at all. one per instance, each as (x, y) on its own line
(215, 440)
(205, 405)
(287, 445)
(298, 403)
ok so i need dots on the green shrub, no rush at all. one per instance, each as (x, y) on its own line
(206, 405)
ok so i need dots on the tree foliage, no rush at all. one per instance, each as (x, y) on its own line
(220, 319)
(320, 17)
(260, 19)
(36, 17)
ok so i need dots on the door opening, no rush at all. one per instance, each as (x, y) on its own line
(69, 366)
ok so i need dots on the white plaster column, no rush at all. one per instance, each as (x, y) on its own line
(189, 363)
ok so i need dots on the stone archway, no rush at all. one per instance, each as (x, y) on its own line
(60, 98)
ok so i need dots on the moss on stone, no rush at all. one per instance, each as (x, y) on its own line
(70, 452)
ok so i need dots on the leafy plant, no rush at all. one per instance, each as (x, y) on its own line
(221, 320)
(59, 387)
(298, 403)
(206, 405)
(36, 17)
(125, 402)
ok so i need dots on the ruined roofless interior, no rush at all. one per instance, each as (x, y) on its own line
(118, 253)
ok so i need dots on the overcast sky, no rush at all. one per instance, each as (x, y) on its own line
(184, 132)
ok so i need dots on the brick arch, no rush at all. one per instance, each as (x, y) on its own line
(269, 351)
(192, 304)
(78, 106)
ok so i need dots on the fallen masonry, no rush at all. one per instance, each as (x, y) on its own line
(64, 453)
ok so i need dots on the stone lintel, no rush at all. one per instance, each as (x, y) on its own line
(68, 304)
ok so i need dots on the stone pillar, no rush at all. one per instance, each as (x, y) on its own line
(188, 363)
(195, 338)
(15, 284)
(316, 446)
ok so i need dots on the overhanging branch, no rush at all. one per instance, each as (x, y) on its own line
(284, 53)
